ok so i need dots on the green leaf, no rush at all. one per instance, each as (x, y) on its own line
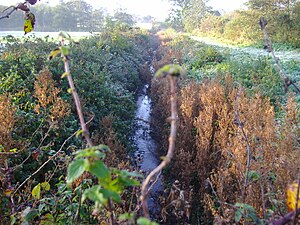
(65, 50)
(28, 27)
(111, 194)
(31, 215)
(238, 216)
(36, 191)
(126, 216)
(131, 174)
(90, 152)
(65, 74)
(254, 175)
(13, 219)
(98, 169)
(45, 185)
(145, 221)
(76, 169)
(103, 148)
(47, 219)
(94, 195)
(54, 53)
(78, 133)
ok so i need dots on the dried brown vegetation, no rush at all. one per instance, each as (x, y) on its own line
(47, 94)
(212, 151)
(7, 122)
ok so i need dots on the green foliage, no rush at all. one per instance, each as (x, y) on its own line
(111, 182)
(256, 73)
(145, 221)
(106, 72)
(247, 212)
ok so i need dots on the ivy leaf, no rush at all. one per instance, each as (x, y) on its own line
(76, 169)
(36, 191)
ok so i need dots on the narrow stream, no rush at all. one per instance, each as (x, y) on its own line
(146, 151)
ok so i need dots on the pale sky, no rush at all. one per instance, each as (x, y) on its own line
(155, 8)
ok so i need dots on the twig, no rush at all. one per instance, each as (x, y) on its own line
(241, 126)
(45, 163)
(153, 183)
(7, 15)
(172, 137)
(111, 214)
(77, 215)
(287, 80)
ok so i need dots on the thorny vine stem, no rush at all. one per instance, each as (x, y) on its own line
(241, 126)
(76, 100)
(172, 137)
(287, 80)
(83, 125)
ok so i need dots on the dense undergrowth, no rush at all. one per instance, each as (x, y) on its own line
(238, 145)
(38, 117)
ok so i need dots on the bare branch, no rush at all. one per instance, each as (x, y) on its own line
(9, 12)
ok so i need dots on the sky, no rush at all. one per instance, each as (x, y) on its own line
(156, 8)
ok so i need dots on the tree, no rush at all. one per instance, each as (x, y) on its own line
(123, 17)
(189, 13)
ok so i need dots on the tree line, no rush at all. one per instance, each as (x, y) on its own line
(240, 26)
(74, 15)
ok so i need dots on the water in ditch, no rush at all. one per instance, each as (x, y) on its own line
(146, 156)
